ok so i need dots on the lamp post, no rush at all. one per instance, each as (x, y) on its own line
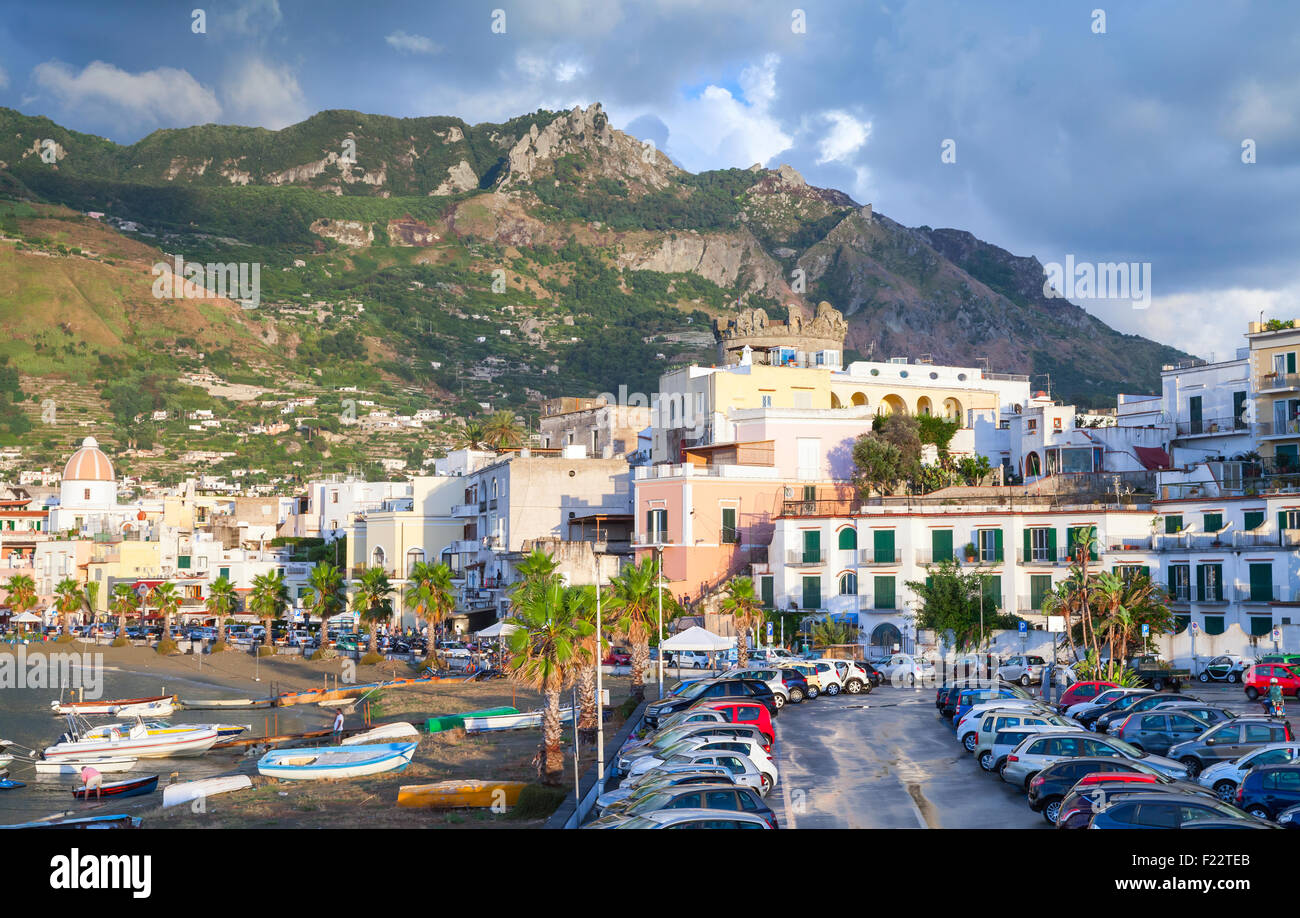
(659, 598)
(600, 695)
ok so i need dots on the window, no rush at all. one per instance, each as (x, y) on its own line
(1056, 424)
(848, 539)
(848, 584)
(1040, 545)
(86, 494)
(882, 546)
(812, 546)
(940, 545)
(729, 533)
(1253, 519)
(1213, 522)
(1173, 524)
(1179, 582)
(884, 594)
(656, 525)
(1239, 410)
(1076, 536)
(767, 401)
(992, 591)
(989, 542)
(1209, 583)
(1040, 585)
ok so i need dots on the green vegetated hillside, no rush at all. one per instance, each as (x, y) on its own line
(433, 263)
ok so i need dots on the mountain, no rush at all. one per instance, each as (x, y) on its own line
(427, 260)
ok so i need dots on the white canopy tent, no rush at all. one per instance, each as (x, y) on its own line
(500, 629)
(697, 638)
(26, 618)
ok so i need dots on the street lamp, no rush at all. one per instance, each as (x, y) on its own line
(659, 597)
(600, 695)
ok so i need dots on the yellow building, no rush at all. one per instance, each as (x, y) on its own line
(1275, 379)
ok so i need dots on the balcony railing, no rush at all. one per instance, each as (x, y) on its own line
(652, 539)
(1140, 544)
(926, 556)
(868, 557)
(1285, 429)
(1208, 426)
(1043, 556)
(1180, 593)
(802, 558)
(1027, 604)
(1275, 592)
(832, 507)
(1278, 381)
(464, 509)
(868, 604)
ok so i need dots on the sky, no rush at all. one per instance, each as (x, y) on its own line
(1162, 134)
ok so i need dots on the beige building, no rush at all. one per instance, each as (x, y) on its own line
(607, 427)
(1276, 379)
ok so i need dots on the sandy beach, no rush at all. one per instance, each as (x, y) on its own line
(129, 671)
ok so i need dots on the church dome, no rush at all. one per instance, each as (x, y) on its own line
(88, 464)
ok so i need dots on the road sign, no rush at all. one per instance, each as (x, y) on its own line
(1195, 627)
(769, 632)
(1024, 626)
(1277, 635)
(1146, 630)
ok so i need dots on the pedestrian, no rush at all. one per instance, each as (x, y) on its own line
(90, 777)
(1275, 698)
(1049, 673)
(338, 724)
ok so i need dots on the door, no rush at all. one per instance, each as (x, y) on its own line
(810, 458)
(1194, 410)
(812, 546)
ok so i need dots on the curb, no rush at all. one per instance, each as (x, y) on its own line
(569, 814)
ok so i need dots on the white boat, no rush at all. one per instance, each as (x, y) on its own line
(335, 761)
(137, 742)
(102, 707)
(511, 721)
(176, 794)
(217, 704)
(383, 733)
(6, 760)
(144, 709)
(162, 728)
(73, 766)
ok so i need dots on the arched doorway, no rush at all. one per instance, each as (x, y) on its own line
(892, 404)
(860, 399)
(952, 409)
(1032, 467)
(886, 636)
(923, 405)
(835, 401)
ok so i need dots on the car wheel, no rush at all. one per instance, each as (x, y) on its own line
(1234, 677)
(987, 762)
(833, 689)
(1252, 693)
(968, 741)
(1158, 685)
(1024, 680)
(1227, 791)
(854, 686)
(911, 679)
(780, 701)
(1204, 677)
(1193, 765)
(796, 695)
(1258, 812)
(766, 782)
(813, 693)
(1052, 810)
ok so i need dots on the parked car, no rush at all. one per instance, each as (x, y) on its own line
(1080, 692)
(1289, 818)
(1037, 752)
(1225, 777)
(745, 769)
(1156, 731)
(1048, 788)
(1211, 714)
(695, 819)
(640, 761)
(1084, 801)
(1157, 673)
(1230, 740)
(740, 711)
(619, 797)
(993, 748)
(811, 676)
(1027, 669)
(977, 728)
(1099, 699)
(1267, 790)
(1145, 702)
(716, 797)
(905, 669)
(795, 683)
(617, 656)
(853, 677)
(968, 698)
(1286, 659)
(1164, 811)
(1223, 668)
(873, 673)
(663, 739)
(773, 677)
(966, 721)
(695, 659)
(945, 696)
(714, 688)
(827, 674)
(1118, 705)
(1260, 677)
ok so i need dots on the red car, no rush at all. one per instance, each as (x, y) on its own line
(1260, 676)
(617, 656)
(743, 712)
(1130, 777)
(1081, 692)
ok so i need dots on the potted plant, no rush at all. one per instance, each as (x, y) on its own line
(970, 551)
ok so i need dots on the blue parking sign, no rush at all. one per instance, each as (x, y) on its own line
(1146, 630)
(1024, 626)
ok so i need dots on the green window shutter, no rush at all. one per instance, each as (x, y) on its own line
(1290, 361)
(848, 539)
(183, 562)
(1281, 520)
(883, 545)
(1238, 409)
(224, 572)
(812, 592)
(997, 545)
(1213, 522)
(812, 546)
(884, 597)
(729, 533)
(929, 583)
(1173, 582)
(941, 545)
(1261, 582)
(1051, 544)
(1071, 536)
(1039, 586)
(1173, 524)
(1096, 546)
(1253, 519)
(1214, 624)
(1260, 625)
(1146, 571)
(992, 592)
(1029, 546)
(1200, 582)
(765, 590)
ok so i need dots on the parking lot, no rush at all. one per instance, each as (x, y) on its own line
(886, 760)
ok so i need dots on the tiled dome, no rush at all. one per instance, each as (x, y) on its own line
(88, 464)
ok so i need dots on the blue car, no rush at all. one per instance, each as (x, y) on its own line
(968, 698)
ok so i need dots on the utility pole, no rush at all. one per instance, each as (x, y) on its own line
(600, 694)
(659, 597)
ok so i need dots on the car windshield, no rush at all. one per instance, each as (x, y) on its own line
(695, 689)
(1131, 751)
(650, 803)
(639, 822)
(1108, 696)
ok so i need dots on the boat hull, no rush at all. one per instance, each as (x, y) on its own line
(452, 721)
(335, 761)
(103, 707)
(140, 747)
(449, 794)
(511, 721)
(74, 766)
(384, 733)
(220, 704)
(176, 794)
(135, 788)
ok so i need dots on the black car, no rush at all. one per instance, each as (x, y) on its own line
(1121, 704)
(795, 682)
(1164, 811)
(876, 676)
(1051, 785)
(711, 688)
(1144, 703)
(1079, 806)
(1268, 790)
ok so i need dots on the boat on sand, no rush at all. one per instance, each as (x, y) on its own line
(102, 706)
(335, 761)
(136, 787)
(104, 764)
(137, 742)
(447, 794)
(176, 794)
(383, 733)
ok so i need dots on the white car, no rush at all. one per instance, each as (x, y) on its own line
(658, 777)
(1097, 701)
(1224, 777)
(453, 650)
(744, 769)
(990, 722)
(695, 819)
(852, 677)
(996, 704)
(770, 675)
(905, 669)
(749, 748)
(696, 659)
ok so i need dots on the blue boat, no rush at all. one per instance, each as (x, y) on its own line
(314, 764)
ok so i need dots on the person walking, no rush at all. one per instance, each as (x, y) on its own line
(338, 725)
(1275, 702)
(1049, 675)
(90, 777)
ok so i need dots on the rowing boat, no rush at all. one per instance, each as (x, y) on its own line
(6, 760)
(138, 743)
(115, 821)
(335, 761)
(136, 787)
(382, 733)
(105, 764)
(511, 721)
(452, 721)
(218, 704)
(176, 794)
(315, 696)
(144, 709)
(101, 707)
(446, 794)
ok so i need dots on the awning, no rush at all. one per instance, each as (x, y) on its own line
(698, 639)
(500, 629)
(1153, 457)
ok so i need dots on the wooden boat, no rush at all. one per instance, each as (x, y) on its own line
(136, 787)
(176, 794)
(137, 742)
(383, 733)
(452, 721)
(220, 704)
(104, 764)
(116, 821)
(315, 696)
(144, 709)
(446, 794)
(10, 784)
(511, 721)
(102, 707)
(244, 742)
(335, 761)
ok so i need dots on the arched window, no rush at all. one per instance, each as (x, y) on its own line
(860, 399)
(413, 557)
(1032, 468)
(848, 539)
(923, 405)
(886, 636)
(377, 557)
(848, 584)
(952, 409)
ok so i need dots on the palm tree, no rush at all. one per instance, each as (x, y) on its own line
(220, 603)
(373, 602)
(635, 607)
(432, 596)
(472, 436)
(89, 599)
(124, 602)
(502, 430)
(746, 610)
(327, 597)
(268, 600)
(21, 592)
(67, 599)
(546, 655)
(581, 605)
(167, 601)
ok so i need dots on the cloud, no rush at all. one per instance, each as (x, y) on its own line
(412, 44)
(540, 68)
(254, 17)
(846, 137)
(164, 96)
(266, 95)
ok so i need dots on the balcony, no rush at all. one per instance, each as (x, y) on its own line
(1207, 427)
(464, 509)
(817, 508)
(1181, 593)
(1267, 429)
(867, 558)
(1139, 544)
(1279, 382)
(1043, 556)
(926, 556)
(652, 539)
(801, 558)
(1276, 592)
(1026, 605)
(868, 604)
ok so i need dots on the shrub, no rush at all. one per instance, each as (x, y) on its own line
(324, 653)
(120, 642)
(64, 639)
(371, 659)
(218, 647)
(264, 651)
(537, 802)
(166, 647)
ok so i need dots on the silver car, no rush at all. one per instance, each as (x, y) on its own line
(994, 748)
(1037, 752)
(1027, 669)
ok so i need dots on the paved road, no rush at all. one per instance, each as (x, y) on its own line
(886, 760)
